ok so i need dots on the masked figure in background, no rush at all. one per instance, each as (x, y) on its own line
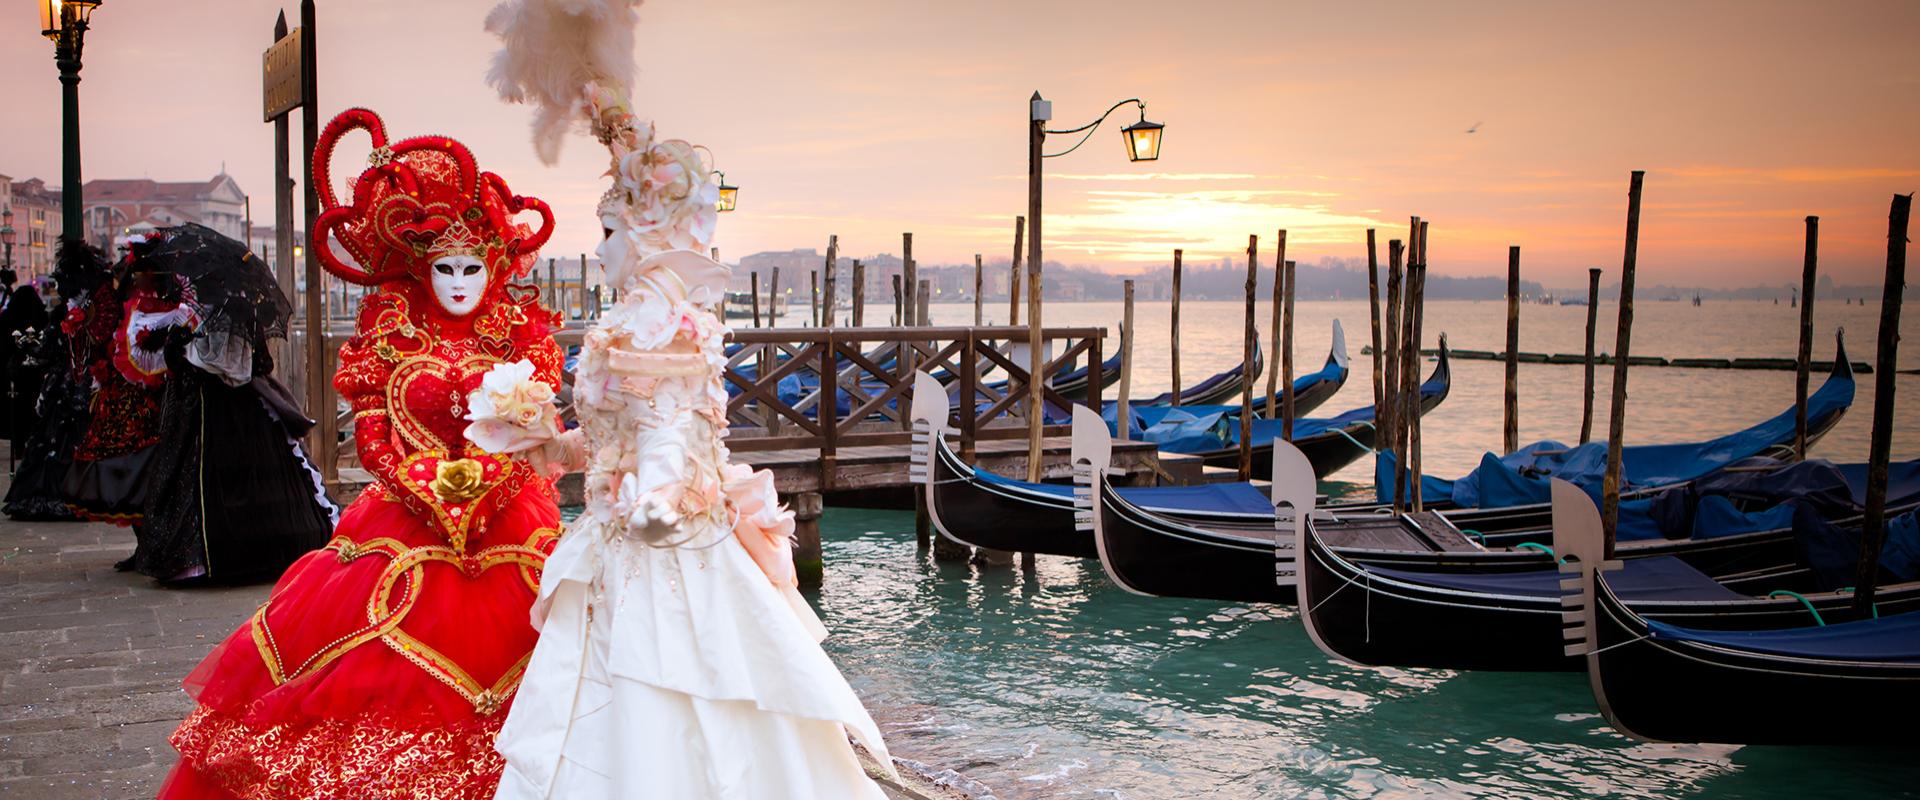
(676, 658)
(233, 496)
(381, 667)
(45, 448)
(124, 327)
(21, 321)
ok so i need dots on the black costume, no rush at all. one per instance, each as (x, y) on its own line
(21, 324)
(45, 450)
(230, 494)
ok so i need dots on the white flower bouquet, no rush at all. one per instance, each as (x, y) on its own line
(511, 412)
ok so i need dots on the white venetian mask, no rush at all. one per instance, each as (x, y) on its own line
(616, 251)
(458, 284)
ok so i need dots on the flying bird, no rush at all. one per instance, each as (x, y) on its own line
(1476, 127)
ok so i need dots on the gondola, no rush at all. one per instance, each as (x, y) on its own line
(980, 509)
(1330, 444)
(1519, 479)
(1451, 619)
(1847, 683)
(1071, 384)
(1524, 510)
(1311, 391)
(1154, 554)
(1222, 390)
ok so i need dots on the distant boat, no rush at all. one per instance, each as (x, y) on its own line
(1696, 298)
(1573, 301)
(739, 305)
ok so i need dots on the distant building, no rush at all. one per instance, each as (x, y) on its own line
(794, 266)
(118, 207)
(36, 224)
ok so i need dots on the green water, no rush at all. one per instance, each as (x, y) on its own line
(1057, 684)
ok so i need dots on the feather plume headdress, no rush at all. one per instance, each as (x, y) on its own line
(572, 60)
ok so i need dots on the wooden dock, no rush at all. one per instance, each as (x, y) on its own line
(846, 431)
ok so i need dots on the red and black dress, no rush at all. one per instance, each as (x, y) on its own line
(382, 666)
(127, 366)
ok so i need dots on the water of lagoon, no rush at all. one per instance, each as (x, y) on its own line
(1057, 684)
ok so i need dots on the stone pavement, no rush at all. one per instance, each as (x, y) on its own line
(91, 662)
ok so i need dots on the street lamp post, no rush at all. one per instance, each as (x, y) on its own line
(1143, 144)
(65, 22)
(6, 233)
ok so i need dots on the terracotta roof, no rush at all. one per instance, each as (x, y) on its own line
(141, 189)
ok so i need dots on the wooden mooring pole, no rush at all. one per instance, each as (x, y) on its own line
(1373, 302)
(1273, 329)
(1386, 420)
(1124, 411)
(899, 310)
(911, 272)
(1286, 357)
(1176, 327)
(1801, 368)
(1418, 306)
(1510, 427)
(813, 297)
(1247, 338)
(859, 289)
(1873, 533)
(1013, 278)
(1593, 317)
(772, 298)
(978, 308)
(1622, 352)
(829, 287)
(754, 286)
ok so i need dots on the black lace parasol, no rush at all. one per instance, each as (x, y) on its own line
(233, 290)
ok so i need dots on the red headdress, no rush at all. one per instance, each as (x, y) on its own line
(419, 200)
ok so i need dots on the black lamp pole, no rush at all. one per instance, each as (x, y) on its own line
(69, 38)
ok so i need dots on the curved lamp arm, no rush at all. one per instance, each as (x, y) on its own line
(1094, 126)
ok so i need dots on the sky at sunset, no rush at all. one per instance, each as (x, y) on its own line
(871, 118)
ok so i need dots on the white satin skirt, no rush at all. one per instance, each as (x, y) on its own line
(678, 673)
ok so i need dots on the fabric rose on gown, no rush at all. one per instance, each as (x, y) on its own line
(764, 527)
(511, 411)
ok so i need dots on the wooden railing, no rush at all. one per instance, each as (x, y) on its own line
(872, 370)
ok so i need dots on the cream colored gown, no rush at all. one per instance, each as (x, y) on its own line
(676, 660)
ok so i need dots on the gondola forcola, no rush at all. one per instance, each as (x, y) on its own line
(1414, 615)
(1796, 684)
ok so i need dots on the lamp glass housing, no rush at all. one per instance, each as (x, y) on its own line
(49, 18)
(729, 197)
(1143, 140)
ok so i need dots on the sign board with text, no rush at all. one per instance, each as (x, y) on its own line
(281, 79)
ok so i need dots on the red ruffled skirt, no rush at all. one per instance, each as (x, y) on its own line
(381, 667)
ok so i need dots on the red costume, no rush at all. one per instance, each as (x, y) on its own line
(382, 666)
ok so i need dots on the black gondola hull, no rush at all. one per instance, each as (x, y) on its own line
(977, 513)
(1670, 691)
(1149, 554)
(1397, 621)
